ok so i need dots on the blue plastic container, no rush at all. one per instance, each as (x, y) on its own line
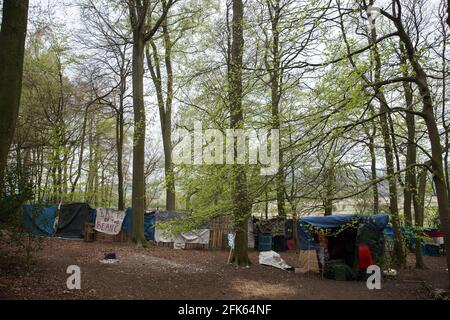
(265, 242)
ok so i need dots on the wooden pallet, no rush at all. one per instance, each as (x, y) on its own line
(89, 232)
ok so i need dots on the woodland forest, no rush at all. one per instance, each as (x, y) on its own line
(92, 93)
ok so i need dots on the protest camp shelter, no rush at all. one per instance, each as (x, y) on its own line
(77, 221)
(345, 234)
(67, 221)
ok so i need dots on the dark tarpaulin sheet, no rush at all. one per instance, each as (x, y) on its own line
(39, 221)
(72, 218)
(307, 241)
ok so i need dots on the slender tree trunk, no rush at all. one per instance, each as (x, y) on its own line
(80, 156)
(411, 157)
(91, 172)
(410, 193)
(419, 210)
(374, 174)
(275, 75)
(165, 109)
(448, 15)
(119, 141)
(167, 136)
(330, 178)
(399, 250)
(12, 51)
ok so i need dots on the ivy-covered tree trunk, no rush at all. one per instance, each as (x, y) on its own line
(241, 207)
(138, 190)
(12, 51)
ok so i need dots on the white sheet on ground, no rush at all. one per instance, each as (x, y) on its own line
(273, 259)
(198, 236)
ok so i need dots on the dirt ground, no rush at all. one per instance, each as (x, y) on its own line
(163, 273)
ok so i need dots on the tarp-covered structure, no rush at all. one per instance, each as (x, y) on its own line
(66, 221)
(71, 220)
(345, 234)
(308, 241)
(149, 224)
(39, 221)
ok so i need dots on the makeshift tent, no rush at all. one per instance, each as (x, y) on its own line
(71, 220)
(377, 222)
(347, 233)
(39, 221)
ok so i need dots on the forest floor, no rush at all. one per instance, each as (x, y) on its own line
(163, 273)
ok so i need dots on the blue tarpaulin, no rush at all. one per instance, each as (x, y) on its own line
(149, 224)
(39, 221)
(307, 241)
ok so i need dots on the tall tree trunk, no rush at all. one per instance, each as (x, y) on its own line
(241, 206)
(167, 134)
(138, 192)
(165, 108)
(399, 250)
(433, 134)
(138, 11)
(411, 157)
(12, 51)
(275, 76)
